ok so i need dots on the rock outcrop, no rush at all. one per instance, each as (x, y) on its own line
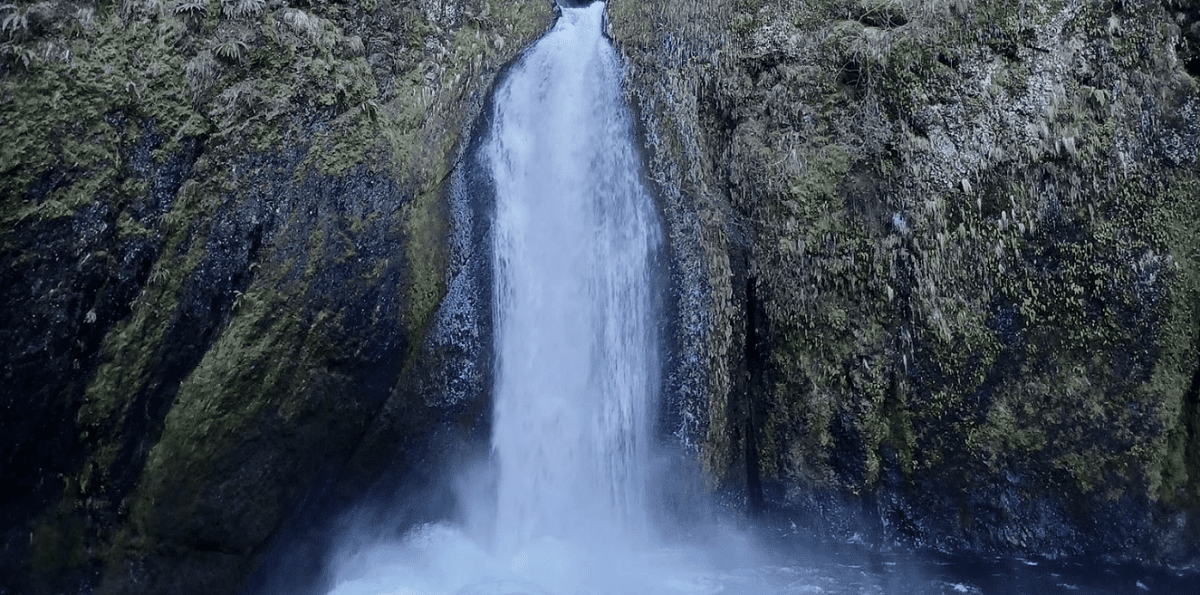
(225, 242)
(949, 258)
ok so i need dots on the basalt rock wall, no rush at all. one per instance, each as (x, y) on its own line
(944, 260)
(226, 250)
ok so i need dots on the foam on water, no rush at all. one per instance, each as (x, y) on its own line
(444, 560)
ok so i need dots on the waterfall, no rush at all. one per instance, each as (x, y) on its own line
(575, 237)
(575, 233)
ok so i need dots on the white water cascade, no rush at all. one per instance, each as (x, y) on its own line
(575, 234)
(575, 337)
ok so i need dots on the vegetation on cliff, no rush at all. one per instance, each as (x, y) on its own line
(222, 243)
(969, 237)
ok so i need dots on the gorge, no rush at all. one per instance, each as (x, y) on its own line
(928, 272)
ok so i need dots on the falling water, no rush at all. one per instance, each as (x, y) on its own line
(575, 236)
(575, 233)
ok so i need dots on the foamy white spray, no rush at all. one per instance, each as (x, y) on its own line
(576, 349)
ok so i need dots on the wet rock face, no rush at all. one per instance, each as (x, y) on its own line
(229, 392)
(68, 281)
(970, 230)
(227, 239)
(1187, 17)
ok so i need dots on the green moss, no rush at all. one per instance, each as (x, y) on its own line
(131, 350)
(1085, 468)
(424, 233)
(828, 339)
(255, 368)
(337, 153)
(1175, 476)
(128, 228)
(130, 354)
(316, 248)
(818, 186)
(1008, 432)
(65, 115)
(632, 23)
(405, 115)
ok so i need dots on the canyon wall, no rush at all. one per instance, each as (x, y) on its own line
(933, 270)
(947, 254)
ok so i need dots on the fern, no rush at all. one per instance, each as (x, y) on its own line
(191, 7)
(86, 17)
(201, 73)
(370, 110)
(230, 50)
(154, 8)
(327, 39)
(16, 22)
(304, 24)
(19, 54)
(353, 45)
(241, 8)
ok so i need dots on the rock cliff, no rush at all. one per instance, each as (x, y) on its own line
(933, 269)
(224, 241)
(948, 254)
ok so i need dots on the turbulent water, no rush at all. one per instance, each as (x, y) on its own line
(567, 512)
